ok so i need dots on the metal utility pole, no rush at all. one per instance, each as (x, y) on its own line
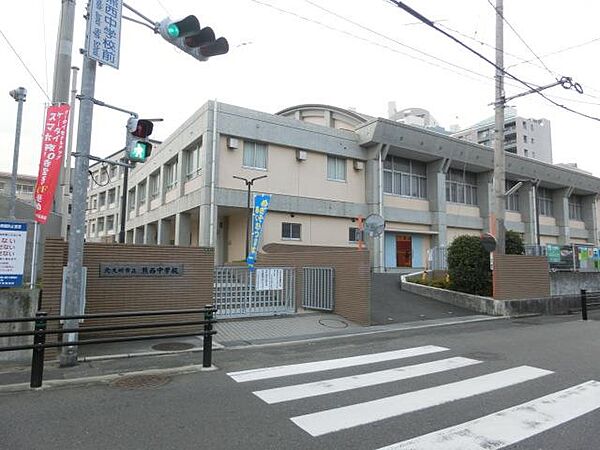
(66, 179)
(497, 219)
(249, 183)
(74, 280)
(124, 211)
(19, 95)
(60, 94)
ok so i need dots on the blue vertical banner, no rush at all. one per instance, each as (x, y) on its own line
(261, 206)
(13, 242)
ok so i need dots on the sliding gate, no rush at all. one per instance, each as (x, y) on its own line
(238, 292)
(318, 288)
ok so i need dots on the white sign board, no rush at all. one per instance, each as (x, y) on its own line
(13, 242)
(269, 279)
(104, 31)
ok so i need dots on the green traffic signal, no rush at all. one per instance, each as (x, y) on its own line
(173, 30)
(139, 151)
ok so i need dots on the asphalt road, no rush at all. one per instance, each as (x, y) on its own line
(450, 376)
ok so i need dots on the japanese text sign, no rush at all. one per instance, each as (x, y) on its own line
(104, 31)
(53, 147)
(13, 242)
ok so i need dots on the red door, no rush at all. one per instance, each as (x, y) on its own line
(403, 251)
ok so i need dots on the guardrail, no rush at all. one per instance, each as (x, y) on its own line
(40, 332)
(589, 300)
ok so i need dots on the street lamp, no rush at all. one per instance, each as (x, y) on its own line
(19, 95)
(249, 183)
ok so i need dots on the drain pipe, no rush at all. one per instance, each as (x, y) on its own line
(380, 187)
(213, 170)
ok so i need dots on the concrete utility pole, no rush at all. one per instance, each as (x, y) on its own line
(60, 92)
(74, 280)
(66, 178)
(19, 95)
(497, 219)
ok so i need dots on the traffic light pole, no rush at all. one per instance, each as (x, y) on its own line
(124, 205)
(74, 280)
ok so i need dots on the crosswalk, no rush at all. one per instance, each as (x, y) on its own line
(494, 431)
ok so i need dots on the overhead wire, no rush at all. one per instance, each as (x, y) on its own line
(25, 65)
(521, 38)
(431, 24)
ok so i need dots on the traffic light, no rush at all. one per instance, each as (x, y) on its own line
(192, 39)
(138, 146)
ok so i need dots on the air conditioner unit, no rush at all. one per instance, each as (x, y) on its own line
(233, 143)
(301, 155)
(359, 165)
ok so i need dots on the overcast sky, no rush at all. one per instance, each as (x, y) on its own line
(308, 55)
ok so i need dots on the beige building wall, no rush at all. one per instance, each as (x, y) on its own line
(395, 201)
(579, 241)
(288, 176)
(547, 220)
(577, 224)
(453, 233)
(462, 210)
(544, 240)
(236, 237)
(513, 216)
(398, 227)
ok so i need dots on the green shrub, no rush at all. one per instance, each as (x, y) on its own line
(514, 243)
(469, 266)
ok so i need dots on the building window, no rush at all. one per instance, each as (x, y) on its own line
(110, 223)
(461, 187)
(353, 234)
(171, 174)
(142, 193)
(255, 155)
(512, 201)
(102, 199)
(575, 207)
(191, 161)
(155, 185)
(131, 199)
(524, 139)
(290, 231)
(113, 172)
(100, 224)
(404, 177)
(336, 168)
(532, 140)
(93, 228)
(545, 202)
(525, 124)
(112, 197)
(94, 202)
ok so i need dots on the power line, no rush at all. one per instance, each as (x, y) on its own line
(380, 44)
(25, 65)
(428, 22)
(520, 38)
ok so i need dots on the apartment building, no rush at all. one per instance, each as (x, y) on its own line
(326, 166)
(104, 200)
(25, 186)
(530, 138)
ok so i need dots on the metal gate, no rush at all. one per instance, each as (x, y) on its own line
(238, 292)
(318, 287)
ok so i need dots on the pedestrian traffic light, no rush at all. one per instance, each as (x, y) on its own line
(192, 39)
(138, 146)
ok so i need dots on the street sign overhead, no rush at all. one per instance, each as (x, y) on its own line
(104, 31)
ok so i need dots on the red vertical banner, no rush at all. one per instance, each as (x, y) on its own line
(53, 148)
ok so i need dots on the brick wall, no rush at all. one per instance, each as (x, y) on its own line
(518, 277)
(352, 274)
(194, 289)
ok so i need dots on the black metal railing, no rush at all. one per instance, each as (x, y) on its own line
(589, 300)
(40, 332)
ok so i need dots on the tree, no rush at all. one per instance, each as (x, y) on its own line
(514, 243)
(469, 266)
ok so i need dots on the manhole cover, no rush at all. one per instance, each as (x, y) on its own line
(172, 346)
(140, 381)
(333, 323)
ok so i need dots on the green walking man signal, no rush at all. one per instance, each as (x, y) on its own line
(138, 146)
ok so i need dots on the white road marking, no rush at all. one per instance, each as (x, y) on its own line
(345, 417)
(511, 425)
(317, 366)
(287, 393)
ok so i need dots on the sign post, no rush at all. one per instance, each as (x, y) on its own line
(13, 242)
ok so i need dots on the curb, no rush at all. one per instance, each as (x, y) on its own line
(104, 379)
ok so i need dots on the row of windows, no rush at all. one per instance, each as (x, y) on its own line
(21, 188)
(404, 177)
(101, 224)
(106, 198)
(461, 187)
(293, 231)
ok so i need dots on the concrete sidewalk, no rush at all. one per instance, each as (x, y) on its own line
(105, 362)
